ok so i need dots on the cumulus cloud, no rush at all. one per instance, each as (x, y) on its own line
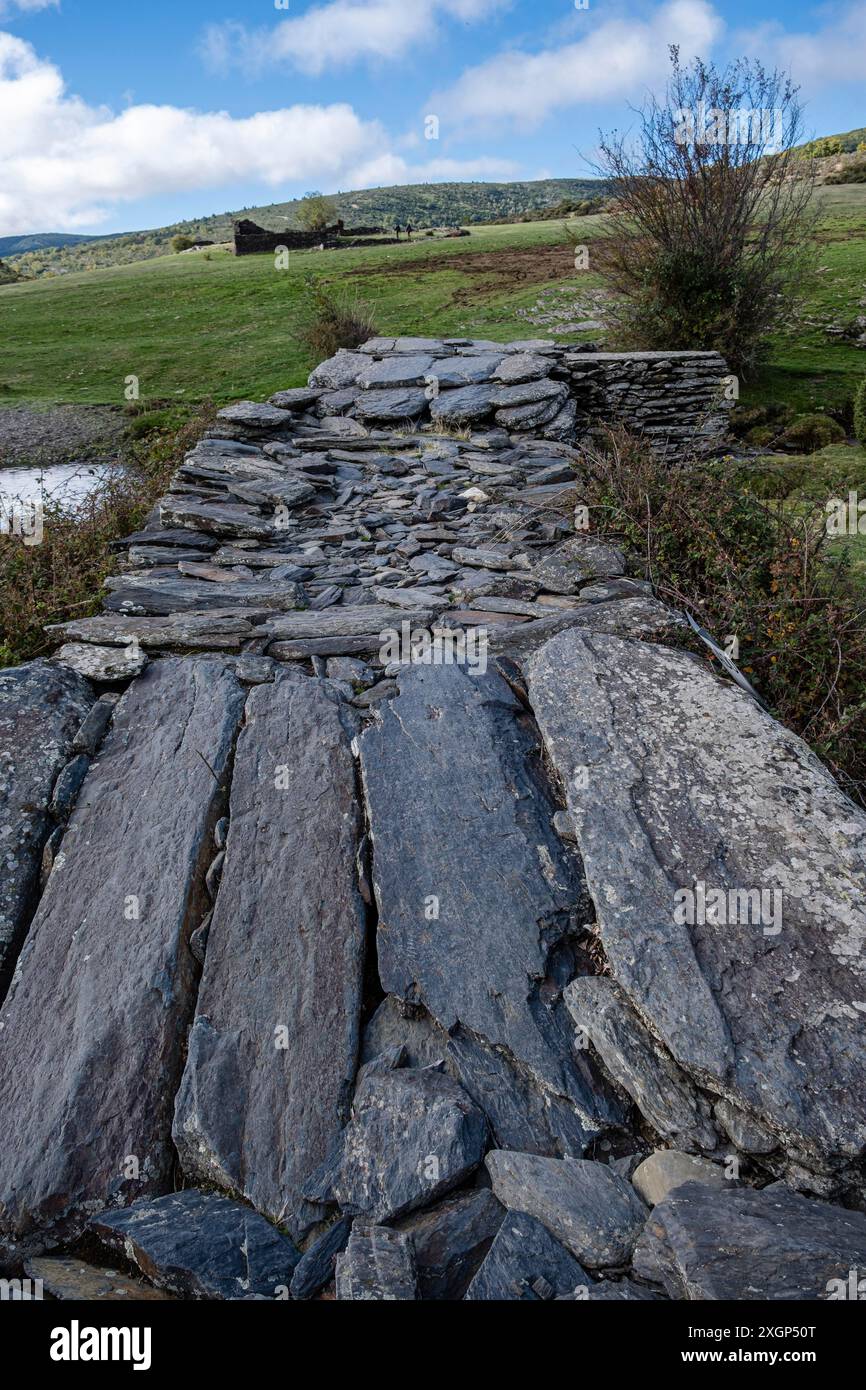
(619, 58)
(834, 53)
(66, 164)
(338, 34)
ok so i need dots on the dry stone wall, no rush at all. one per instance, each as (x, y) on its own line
(532, 388)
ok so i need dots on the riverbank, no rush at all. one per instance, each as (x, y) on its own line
(42, 438)
(55, 569)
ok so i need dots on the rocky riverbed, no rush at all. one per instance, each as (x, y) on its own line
(395, 910)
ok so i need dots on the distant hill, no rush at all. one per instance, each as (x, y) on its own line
(39, 241)
(836, 144)
(422, 204)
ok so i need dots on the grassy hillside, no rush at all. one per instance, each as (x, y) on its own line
(422, 204)
(191, 327)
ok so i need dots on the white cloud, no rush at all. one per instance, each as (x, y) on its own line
(833, 54)
(65, 164)
(9, 7)
(618, 59)
(338, 34)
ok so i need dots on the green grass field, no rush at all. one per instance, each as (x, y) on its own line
(192, 328)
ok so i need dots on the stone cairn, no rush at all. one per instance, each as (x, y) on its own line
(392, 905)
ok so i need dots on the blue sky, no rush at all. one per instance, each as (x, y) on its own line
(117, 114)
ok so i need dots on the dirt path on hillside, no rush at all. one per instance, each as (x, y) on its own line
(491, 272)
(58, 433)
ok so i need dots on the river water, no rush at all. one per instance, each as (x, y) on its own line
(67, 483)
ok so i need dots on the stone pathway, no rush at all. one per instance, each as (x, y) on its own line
(416, 877)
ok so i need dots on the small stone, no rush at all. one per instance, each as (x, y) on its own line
(102, 664)
(413, 1135)
(378, 1264)
(667, 1169)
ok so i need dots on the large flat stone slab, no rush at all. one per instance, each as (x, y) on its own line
(704, 1242)
(202, 1246)
(680, 787)
(91, 1034)
(41, 709)
(477, 896)
(347, 620)
(166, 597)
(210, 630)
(272, 1050)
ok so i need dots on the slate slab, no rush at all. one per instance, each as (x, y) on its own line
(317, 1265)
(164, 596)
(404, 370)
(272, 1050)
(463, 405)
(403, 403)
(476, 893)
(523, 1253)
(255, 416)
(451, 1240)
(42, 707)
(102, 665)
(194, 630)
(378, 1265)
(72, 1280)
(667, 1169)
(201, 1246)
(594, 1212)
(580, 559)
(217, 518)
(625, 617)
(688, 782)
(413, 1135)
(93, 1026)
(663, 1093)
(709, 1243)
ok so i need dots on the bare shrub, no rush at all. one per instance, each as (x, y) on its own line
(712, 210)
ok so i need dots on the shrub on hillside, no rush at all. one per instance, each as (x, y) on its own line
(761, 570)
(181, 243)
(860, 413)
(335, 321)
(708, 228)
(811, 432)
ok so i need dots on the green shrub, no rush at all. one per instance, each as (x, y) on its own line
(860, 413)
(810, 433)
(761, 436)
(181, 243)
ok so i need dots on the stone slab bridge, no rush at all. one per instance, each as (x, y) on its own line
(390, 902)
